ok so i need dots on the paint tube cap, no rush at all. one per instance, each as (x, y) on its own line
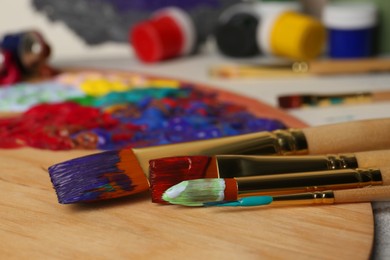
(292, 35)
(11, 43)
(28, 48)
(236, 37)
(269, 11)
(167, 34)
(350, 15)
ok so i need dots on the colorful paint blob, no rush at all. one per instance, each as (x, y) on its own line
(60, 115)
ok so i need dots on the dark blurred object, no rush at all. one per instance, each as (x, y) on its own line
(100, 21)
(236, 31)
(24, 55)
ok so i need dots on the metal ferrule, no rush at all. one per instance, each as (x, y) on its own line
(279, 142)
(307, 182)
(230, 166)
(291, 141)
(309, 198)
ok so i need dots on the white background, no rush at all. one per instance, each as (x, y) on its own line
(19, 15)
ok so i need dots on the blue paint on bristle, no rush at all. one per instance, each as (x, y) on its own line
(82, 179)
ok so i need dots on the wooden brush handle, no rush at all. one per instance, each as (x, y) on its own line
(368, 194)
(381, 96)
(380, 158)
(385, 172)
(354, 136)
(349, 66)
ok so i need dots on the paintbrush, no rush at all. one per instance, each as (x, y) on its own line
(199, 191)
(310, 100)
(166, 172)
(367, 194)
(121, 173)
(314, 67)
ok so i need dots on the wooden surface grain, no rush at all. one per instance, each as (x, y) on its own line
(33, 225)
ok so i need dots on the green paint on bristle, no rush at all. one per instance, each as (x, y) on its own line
(107, 187)
(195, 192)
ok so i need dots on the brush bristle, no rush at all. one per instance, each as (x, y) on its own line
(100, 176)
(166, 172)
(251, 201)
(196, 192)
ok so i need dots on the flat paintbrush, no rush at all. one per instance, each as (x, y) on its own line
(199, 191)
(368, 194)
(166, 172)
(115, 174)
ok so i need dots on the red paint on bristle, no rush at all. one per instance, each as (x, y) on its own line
(166, 172)
(231, 190)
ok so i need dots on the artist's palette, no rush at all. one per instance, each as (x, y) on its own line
(34, 225)
(113, 110)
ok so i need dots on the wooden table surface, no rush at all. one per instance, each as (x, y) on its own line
(34, 225)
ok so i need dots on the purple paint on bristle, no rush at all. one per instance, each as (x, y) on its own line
(83, 179)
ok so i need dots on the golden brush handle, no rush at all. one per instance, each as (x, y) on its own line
(311, 181)
(347, 137)
(229, 166)
(279, 142)
(346, 195)
(366, 194)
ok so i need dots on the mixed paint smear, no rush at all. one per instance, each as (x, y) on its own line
(89, 110)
